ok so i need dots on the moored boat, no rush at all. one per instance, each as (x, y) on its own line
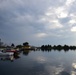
(11, 50)
(6, 53)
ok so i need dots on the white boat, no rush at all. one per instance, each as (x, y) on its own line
(6, 53)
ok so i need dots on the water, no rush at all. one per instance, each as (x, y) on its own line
(41, 63)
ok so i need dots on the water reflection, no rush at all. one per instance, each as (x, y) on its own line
(40, 62)
(73, 72)
(26, 52)
(5, 58)
(49, 50)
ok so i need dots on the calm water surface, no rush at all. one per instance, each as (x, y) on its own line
(41, 63)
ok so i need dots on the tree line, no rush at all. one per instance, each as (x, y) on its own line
(15, 46)
(57, 47)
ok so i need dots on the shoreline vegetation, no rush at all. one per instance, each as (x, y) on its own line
(26, 46)
(57, 47)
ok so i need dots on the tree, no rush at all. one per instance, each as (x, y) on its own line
(19, 46)
(25, 44)
(12, 45)
(59, 47)
(42, 47)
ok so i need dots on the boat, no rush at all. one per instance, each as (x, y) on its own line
(11, 50)
(6, 53)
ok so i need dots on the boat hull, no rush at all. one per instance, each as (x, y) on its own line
(6, 53)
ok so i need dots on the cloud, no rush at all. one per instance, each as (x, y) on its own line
(41, 35)
(53, 24)
(50, 20)
(73, 68)
(28, 20)
(73, 29)
(41, 59)
(73, 73)
(69, 2)
(61, 12)
(72, 21)
(74, 65)
(53, 70)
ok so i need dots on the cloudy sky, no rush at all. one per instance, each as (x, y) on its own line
(38, 21)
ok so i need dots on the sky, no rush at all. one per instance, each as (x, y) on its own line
(38, 22)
